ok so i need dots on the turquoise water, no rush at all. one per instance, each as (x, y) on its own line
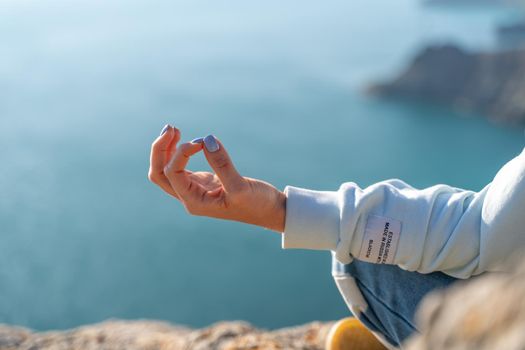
(86, 86)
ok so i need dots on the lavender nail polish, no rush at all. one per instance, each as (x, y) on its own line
(198, 140)
(211, 143)
(164, 129)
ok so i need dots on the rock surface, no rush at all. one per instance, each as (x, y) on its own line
(484, 314)
(489, 83)
(150, 335)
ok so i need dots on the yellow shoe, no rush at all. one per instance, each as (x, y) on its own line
(350, 334)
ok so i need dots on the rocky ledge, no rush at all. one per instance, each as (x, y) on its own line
(484, 313)
(142, 335)
(492, 84)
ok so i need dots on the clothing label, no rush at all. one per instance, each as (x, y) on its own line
(380, 240)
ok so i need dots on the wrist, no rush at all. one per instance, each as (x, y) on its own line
(278, 215)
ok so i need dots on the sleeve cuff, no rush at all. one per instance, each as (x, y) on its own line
(312, 219)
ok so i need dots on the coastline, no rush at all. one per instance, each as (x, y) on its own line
(489, 83)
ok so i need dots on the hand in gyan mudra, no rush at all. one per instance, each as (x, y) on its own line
(224, 194)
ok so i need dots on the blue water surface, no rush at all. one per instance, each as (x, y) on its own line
(85, 86)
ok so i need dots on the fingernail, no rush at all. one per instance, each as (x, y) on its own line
(211, 143)
(164, 129)
(198, 140)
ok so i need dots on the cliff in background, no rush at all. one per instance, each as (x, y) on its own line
(492, 84)
(149, 335)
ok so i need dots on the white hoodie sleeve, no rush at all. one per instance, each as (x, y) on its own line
(441, 228)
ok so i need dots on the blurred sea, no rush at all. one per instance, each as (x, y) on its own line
(85, 86)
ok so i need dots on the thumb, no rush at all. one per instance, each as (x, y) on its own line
(221, 163)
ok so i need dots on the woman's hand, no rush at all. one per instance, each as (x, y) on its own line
(223, 195)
